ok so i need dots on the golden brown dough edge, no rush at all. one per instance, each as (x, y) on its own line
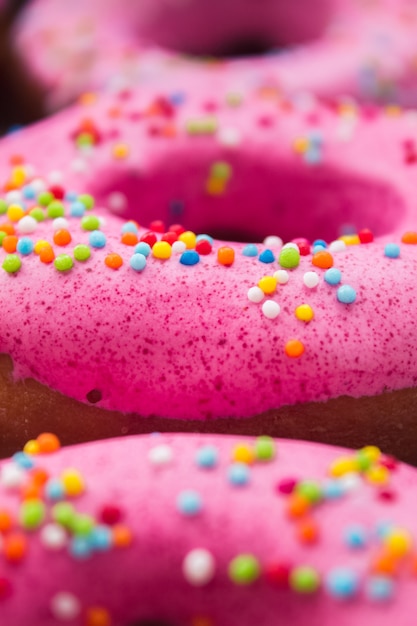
(388, 420)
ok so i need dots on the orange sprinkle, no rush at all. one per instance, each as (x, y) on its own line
(10, 243)
(409, 237)
(41, 243)
(88, 98)
(6, 521)
(122, 536)
(16, 159)
(129, 239)
(46, 254)
(169, 131)
(120, 151)
(39, 475)
(48, 442)
(323, 259)
(297, 505)
(7, 228)
(62, 237)
(31, 491)
(384, 564)
(226, 256)
(114, 112)
(294, 348)
(97, 616)
(307, 531)
(114, 261)
(15, 546)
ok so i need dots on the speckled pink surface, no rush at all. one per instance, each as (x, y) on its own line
(145, 581)
(363, 49)
(185, 342)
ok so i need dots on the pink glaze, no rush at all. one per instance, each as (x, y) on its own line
(137, 482)
(364, 49)
(185, 342)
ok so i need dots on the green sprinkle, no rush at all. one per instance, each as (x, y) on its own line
(202, 126)
(82, 252)
(221, 170)
(2, 236)
(310, 490)
(82, 524)
(264, 448)
(363, 460)
(55, 209)
(244, 569)
(63, 262)
(234, 99)
(32, 514)
(38, 214)
(87, 200)
(289, 258)
(12, 263)
(45, 198)
(3, 207)
(63, 513)
(84, 139)
(304, 579)
(90, 222)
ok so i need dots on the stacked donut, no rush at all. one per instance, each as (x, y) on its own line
(212, 251)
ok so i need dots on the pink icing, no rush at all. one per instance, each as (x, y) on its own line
(185, 342)
(143, 477)
(365, 49)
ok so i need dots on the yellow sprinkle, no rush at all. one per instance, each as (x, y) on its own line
(398, 542)
(304, 312)
(15, 213)
(40, 244)
(242, 453)
(372, 452)
(268, 284)
(189, 238)
(350, 240)
(31, 447)
(300, 145)
(343, 465)
(73, 482)
(161, 250)
(18, 176)
(215, 186)
(378, 475)
(120, 151)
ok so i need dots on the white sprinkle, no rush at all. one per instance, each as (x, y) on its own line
(78, 165)
(12, 476)
(178, 247)
(59, 223)
(55, 177)
(38, 185)
(271, 309)
(65, 606)
(117, 202)
(230, 137)
(13, 197)
(337, 246)
(292, 245)
(255, 294)
(26, 225)
(350, 481)
(282, 277)
(273, 241)
(102, 222)
(311, 279)
(53, 536)
(161, 455)
(199, 567)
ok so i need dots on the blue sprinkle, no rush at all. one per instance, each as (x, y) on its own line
(313, 156)
(189, 503)
(101, 538)
(129, 227)
(189, 257)
(70, 196)
(318, 248)
(143, 248)
(333, 489)
(346, 294)
(138, 262)
(207, 457)
(355, 536)
(320, 242)
(206, 238)
(54, 489)
(383, 528)
(392, 250)
(267, 256)
(77, 209)
(97, 239)
(177, 98)
(379, 588)
(80, 547)
(238, 474)
(333, 276)
(176, 207)
(28, 192)
(250, 250)
(23, 460)
(25, 245)
(342, 583)
(316, 138)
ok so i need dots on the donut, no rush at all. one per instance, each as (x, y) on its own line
(313, 338)
(205, 529)
(363, 49)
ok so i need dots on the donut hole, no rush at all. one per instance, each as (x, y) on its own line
(259, 199)
(217, 28)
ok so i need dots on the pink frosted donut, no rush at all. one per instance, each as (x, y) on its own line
(342, 47)
(192, 530)
(137, 331)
